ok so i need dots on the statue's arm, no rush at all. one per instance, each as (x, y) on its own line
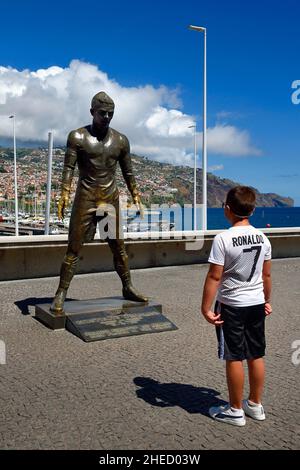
(68, 171)
(127, 171)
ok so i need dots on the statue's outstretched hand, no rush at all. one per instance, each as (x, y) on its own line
(137, 201)
(62, 204)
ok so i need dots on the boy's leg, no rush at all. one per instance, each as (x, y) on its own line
(231, 348)
(253, 406)
(235, 382)
(232, 413)
(256, 370)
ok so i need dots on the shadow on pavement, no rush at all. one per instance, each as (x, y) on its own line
(23, 305)
(190, 398)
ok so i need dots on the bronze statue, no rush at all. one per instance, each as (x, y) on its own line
(96, 149)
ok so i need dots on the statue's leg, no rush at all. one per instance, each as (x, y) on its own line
(82, 229)
(67, 272)
(122, 267)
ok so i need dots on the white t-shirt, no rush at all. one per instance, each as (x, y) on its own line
(242, 251)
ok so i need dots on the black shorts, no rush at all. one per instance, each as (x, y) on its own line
(242, 335)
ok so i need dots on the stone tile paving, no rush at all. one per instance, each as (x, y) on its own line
(142, 392)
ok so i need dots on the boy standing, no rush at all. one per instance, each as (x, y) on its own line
(240, 270)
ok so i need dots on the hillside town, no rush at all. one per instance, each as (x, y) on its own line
(158, 182)
(32, 178)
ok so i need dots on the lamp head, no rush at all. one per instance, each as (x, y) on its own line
(197, 28)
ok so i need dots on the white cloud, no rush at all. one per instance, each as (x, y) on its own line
(58, 99)
(225, 115)
(228, 140)
(221, 115)
(216, 168)
(168, 123)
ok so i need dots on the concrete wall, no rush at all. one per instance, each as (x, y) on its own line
(41, 256)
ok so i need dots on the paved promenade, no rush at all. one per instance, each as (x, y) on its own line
(143, 392)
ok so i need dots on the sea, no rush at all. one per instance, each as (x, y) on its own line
(162, 219)
(263, 217)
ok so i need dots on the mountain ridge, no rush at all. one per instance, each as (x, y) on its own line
(158, 182)
(181, 178)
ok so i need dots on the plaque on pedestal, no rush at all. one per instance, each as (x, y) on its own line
(106, 318)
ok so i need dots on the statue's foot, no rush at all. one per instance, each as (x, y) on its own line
(130, 294)
(57, 306)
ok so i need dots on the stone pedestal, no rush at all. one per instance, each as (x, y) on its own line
(106, 318)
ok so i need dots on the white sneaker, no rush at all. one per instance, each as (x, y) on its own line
(254, 410)
(228, 415)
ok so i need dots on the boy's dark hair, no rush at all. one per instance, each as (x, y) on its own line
(241, 200)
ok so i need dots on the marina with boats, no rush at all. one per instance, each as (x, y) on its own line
(30, 224)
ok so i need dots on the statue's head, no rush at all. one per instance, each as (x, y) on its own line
(102, 110)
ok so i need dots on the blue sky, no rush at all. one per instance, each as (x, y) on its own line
(253, 58)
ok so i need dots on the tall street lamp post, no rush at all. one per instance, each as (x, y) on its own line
(204, 145)
(49, 174)
(195, 175)
(13, 117)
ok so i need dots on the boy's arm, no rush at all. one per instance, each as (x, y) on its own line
(267, 282)
(211, 285)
